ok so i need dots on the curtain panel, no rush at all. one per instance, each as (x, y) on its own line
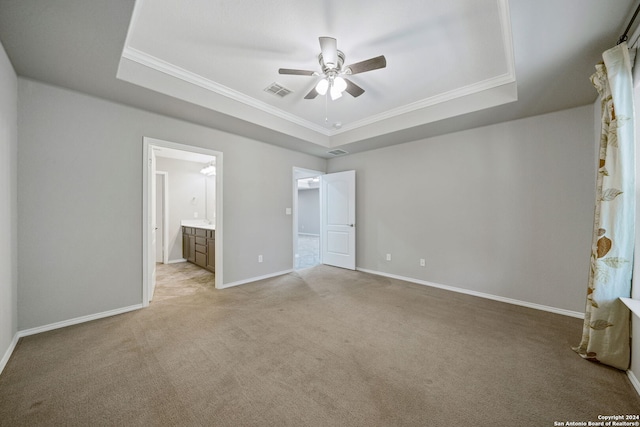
(605, 336)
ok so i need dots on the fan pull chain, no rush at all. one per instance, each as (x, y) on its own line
(326, 109)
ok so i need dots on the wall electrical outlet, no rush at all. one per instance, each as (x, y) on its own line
(259, 258)
(388, 257)
(422, 262)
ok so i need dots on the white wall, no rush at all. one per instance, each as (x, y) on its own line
(8, 207)
(187, 195)
(505, 210)
(80, 213)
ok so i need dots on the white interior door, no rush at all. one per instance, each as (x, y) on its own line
(160, 177)
(338, 219)
(152, 224)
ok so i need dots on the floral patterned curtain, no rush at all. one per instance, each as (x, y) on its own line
(605, 336)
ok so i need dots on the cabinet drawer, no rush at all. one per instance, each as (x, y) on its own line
(201, 259)
(201, 241)
(187, 230)
(201, 248)
(201, 232)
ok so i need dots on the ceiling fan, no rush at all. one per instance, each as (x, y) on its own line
(331, 60)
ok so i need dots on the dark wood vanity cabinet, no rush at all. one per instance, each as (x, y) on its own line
(188, 247)
(211, 252)
(198, 247)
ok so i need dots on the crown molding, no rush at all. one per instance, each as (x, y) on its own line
(507, 37)
(170, 69)
(429, 102)
(165, 67)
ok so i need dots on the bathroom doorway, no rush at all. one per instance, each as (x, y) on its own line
(192, 193)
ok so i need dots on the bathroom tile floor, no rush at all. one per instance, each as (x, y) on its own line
(180, 279)
(184, 278)
(308, 253)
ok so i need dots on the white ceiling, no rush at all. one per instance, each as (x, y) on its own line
(456, 52)
(451, 65)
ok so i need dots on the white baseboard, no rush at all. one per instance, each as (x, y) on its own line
(634, 380)
(175, 261)
(254, 279)
(9, 352)
(480, 294)
(77, 320)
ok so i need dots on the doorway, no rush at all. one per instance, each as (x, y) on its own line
(308, 218)
(151, 148)
(306, 225)
(324, 225)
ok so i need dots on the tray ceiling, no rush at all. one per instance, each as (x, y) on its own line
(209, 63)
(443, 59)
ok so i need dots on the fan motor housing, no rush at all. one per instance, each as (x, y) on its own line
(325, 69)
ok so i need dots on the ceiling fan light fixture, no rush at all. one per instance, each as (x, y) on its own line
(322, 86)
(339, 83)
(335, 93)
(331, 62)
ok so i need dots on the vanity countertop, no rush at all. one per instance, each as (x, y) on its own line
(197, 223)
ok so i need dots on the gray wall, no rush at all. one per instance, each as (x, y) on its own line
(80, 215)
(309, 211)
(8, 204)
(185, 183)
(505, 210)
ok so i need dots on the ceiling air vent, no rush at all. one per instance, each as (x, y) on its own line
(337, 152)
(278, 89)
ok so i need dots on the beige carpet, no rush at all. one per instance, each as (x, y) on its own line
(320, 347)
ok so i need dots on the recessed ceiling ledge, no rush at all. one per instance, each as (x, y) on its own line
(433, 112)
(191, 90)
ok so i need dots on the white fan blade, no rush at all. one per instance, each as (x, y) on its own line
(329, 49)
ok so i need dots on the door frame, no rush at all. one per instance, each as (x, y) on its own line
(301, 173)
(147, 172)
